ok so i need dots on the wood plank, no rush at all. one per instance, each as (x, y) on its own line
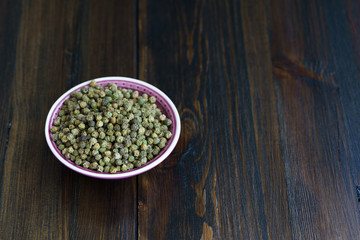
(106, 47)
(10, 14)
(61, 44)
(265, 117)
(170, 58)
(226, 177)
(307, 67)
(345, 41)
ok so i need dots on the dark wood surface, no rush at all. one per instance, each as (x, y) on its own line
(269, 97)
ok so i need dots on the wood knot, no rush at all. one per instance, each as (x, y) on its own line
(141, 205)
(207, 232)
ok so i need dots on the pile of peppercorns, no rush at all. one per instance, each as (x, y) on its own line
(110, 129)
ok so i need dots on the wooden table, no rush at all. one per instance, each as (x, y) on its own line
(269, 98)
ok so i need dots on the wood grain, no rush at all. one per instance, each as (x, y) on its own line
(60, 44)
(216, 182)
(311, 126)
(9, 26)
(261, 138)
(268, 95)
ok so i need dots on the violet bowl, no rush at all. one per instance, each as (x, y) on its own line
(163, 102)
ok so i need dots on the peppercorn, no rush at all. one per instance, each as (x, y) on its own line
(93, 165)
(78, 161)
(55, 137)
(168, 134)
(86, 164)
(54, 129)
(152, 99)
(82, 126)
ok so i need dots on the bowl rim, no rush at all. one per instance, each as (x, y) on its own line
(135, 171)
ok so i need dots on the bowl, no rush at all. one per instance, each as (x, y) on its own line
(163, 102)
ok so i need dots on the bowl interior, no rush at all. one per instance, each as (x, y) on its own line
(161, 103)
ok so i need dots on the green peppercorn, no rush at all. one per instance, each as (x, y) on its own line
(57, 121)
(81, 126)
(152, 99)
(64, 139)
(54, 129)
(99, 124)
(83, 104)
(131, 158)
(100, 168)
(92, 141)
(156, 150)
(156, 140)
(84, 90)
(86, 164)
(70, 149)
(113, 169)
(95, 134)
(94, 152)
(136, 153)
(135, 127)
(168, 122)
(141, 130)
(118, 162)
(163, 128)
(102, 135)
(61, 113)
(161, 144)
(168, 134)
(124, 167)
(133, 147)
(90, 130)
(143, 161)
(78, 161)
(135, 94)
(55, 137)
(117, 156)
(107, 161)
(75, 131)
(93, 165)
(113, 120)
(120, 139)
(93, 83)
(107, 153)
(144, 147)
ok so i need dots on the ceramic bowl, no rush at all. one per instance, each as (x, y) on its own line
(163, 102)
